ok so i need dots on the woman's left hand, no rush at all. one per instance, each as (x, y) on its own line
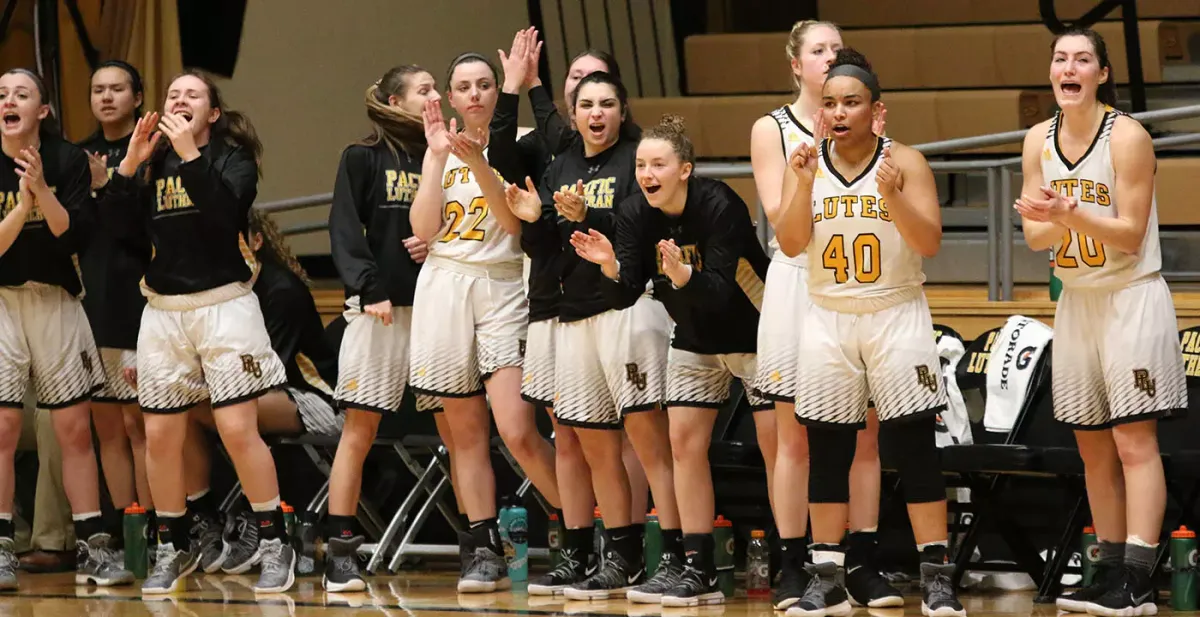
(179, 131)
(468, 146)
(672, 263)
(30, 161)
(570, 204)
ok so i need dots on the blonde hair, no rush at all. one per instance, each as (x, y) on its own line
(274, 242)
(672, 130)
(393, 126)
(800, 30)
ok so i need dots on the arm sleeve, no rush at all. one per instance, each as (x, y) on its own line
(715, 282)
(347, 234)
(540, 238)
(222, 189)
(121, 207)
(554, 129)
(74, 193)
(284, 311)
(627, 241)
(504, 153)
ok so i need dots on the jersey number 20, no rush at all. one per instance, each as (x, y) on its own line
(1091, 252)
(455, 212)
(866, 258)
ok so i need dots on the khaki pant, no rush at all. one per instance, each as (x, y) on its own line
(52, 528)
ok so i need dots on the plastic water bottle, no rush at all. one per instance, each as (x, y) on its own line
(554, 540)
(1183, 569)
(723, 547)
(598, 540)
(758, 566)
(654, 542)
(137, 557)
(1089, 554)
(307, 543)
(514, 534)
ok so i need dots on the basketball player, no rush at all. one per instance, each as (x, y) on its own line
(378, 258)
(529, 157)
(811, 47)
(111, 269)
(202, 335)
(617, 360)
(866, 209)
(469, 312)
(710, 281)
(45, 338)
(1089, 196)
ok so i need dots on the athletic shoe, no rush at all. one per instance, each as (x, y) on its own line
(278, 567)
(868, 588)
(243, 553)
(693, 589)
(824, 595)
(665, 578)
(793, 582)
(97, 564)
(170, 568)
(341, 566)
(466, 552)
(8, 566)
(1130, 595)
(207, 535)
(939, 599)
(486, 572)
(612, 580)
(568, 572)
(1078, 601)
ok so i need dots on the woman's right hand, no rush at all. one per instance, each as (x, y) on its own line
(594, 247)
(516, 62)
(803, 162)
(381, 311)
(524, 204)
(98, 164)
(436, 134)
(141, 143)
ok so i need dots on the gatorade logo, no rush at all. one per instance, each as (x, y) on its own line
(1191, 558)
(729, 546)
(1093, 553)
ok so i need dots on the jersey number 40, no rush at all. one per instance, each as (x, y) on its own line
(865, 248)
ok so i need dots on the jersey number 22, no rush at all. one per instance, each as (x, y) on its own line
(456, 214)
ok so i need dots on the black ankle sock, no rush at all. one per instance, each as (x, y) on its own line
(1140, 558)
(795, 552)
(1112, 554)
(270, 525)
(486, 533)
(627, 543)
(205, 506)
(640, 530)
(151, 526)
(88, 527)
(6, 529)
(174, 531)
(672, 542)
(860, 548)
(340, 527)
(581, 543)
(935, 553)
(698, 553)
(464, 521)
(114, 526)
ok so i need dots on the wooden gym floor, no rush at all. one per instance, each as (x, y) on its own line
(428, 594)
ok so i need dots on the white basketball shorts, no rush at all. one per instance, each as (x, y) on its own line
(467, 324)
(1116, 356)
(703, 380)
(848, 358)
(46, 340)
(617, 365)
(219, 352)
(784, 301)
(537, 374)
(116, 389)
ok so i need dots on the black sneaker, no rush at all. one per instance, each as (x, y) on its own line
(868, 588)
(938, 596)
(693, 589)
(568, 572)
(614, 578)
(341, 566)
(665, 578)
(1130, 595)
(1078, 601)
(824, 595)
(793, 580)
(486, 572)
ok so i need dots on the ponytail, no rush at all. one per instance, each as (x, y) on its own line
(276, 247)
(391, 125)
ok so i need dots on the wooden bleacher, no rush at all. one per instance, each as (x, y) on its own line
(900, 13)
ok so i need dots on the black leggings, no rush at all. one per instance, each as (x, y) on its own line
(831, 452)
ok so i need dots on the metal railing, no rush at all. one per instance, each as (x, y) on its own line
(999, 172)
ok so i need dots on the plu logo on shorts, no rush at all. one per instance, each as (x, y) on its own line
(87, 361)
(927, 378)
(250, 366)
(521, 347)
(1143, 382)
(635, 377)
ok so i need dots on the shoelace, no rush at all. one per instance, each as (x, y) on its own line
(164, 561)
(272, 556)
(8, 561)
(815, 592)
(345, 565)
(940, 587)
(567, 567)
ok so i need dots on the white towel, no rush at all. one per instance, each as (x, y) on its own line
(1014, 355)
(955, 424)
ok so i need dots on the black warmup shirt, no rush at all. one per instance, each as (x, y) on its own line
(196, 213)
(608, 179)
(716, 312)
(368, 223)
(297, 334)
(112, 267)
(37, 255)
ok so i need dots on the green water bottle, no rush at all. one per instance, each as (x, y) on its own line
(1089, 555)
(137, 555)
(723, 554)
(654, 543)
(1183, 569)
(554, 538)
(289, 519)
(1055, 282)
(598, 541)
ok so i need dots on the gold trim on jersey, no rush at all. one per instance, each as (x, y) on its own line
(750, 283)
(311, 375)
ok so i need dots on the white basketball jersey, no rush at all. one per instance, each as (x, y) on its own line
(1080, 261)
(857, 260)
(470, 232)
(792, 134)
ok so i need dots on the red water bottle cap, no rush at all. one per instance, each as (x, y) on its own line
(1183, 532)
(554, 517)
(597, 514)
(134, 508)
(758, 533)
(1089, 530)
(722, 522)
(653, 512)
(286, 508)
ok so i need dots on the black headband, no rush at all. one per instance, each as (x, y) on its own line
(866, 77)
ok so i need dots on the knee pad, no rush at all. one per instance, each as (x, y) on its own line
(830, 454)
(917, 460)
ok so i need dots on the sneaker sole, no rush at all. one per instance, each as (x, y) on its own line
(595, 594)
(546, 590)
(785, 604)
(88, 579)
(643, 597)
(715, 597)
(243, 567)
(291, 580)
(886, 602)
(484, 586)
(355, 585)
(1142, 610)
(945, 611)
(215, 566)
(1071, 606)
(162, 591)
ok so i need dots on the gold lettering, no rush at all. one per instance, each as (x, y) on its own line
(1102, 198)
(868, 207)
(848, 203)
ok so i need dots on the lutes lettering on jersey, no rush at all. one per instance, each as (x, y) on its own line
(598, 193)
(863, 249)
(851, 206)
(401, 186)
(170, 194)
(10, 203)
(1090, 251)
(691, 256)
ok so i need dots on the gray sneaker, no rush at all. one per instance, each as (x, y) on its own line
(96, 563)
(665, 578)
(243, 553)
(171, 567)
(207, 536)
(8, 566)
(486, 572)
(278, 567)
